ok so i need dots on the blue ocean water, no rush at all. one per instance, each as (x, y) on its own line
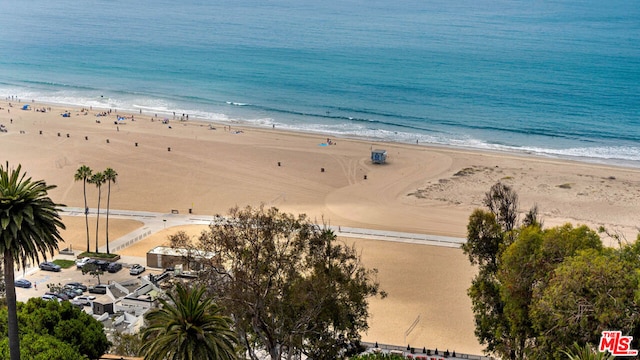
(555, 78)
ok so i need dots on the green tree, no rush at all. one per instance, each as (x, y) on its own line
(489, 233)
(93, 270)
(29, 227)
(98, 180)
(527, 264)
(485, 240)
(588, 293)
(42, 347)
(561, 242)
(189, 326)
(110, 176)
(66, 323)
(84, 173)
(485, 243)
(517, 275)
(59, 330)
(291, 287)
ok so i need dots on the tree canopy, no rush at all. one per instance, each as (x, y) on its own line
(542, 293)
(50, 331)
(291, 287)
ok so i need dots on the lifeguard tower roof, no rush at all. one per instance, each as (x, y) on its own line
(378, 156)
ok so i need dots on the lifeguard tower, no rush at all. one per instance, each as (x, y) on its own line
(378, 156)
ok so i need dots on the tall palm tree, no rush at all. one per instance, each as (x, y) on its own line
(29, 227)
(110, 176)
(84, 173)
(188, 326)
(97, 179)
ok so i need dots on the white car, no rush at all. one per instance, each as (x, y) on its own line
(50, 297)
(85, 299)
(136, 269)
(80, 263)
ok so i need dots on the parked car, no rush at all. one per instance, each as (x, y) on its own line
(98, 289)
(85, 299)
(60, 296)
(23, 283)
(50, 297)
(114, 267)
(102, 265)
(71, 292)
(77, 285)
(80, 263)
(77, 303)
(136, 269)
(49, 266)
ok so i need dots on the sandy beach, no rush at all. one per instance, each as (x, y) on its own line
(182, 165)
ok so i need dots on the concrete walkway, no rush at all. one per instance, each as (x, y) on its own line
(154, 222)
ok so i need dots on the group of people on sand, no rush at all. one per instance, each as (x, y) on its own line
(331, 142)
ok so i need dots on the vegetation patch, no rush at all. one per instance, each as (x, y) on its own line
(465, 172)
(106, 256)
(65, 264)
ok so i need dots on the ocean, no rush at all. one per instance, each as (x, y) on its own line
(557, 78)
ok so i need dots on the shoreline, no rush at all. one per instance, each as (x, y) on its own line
(256, 125)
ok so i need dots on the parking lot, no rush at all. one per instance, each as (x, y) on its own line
(39, 278)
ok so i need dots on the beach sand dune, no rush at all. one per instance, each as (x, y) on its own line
(421, 189)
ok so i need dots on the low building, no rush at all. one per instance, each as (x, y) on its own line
(140, 300)
(163, 257)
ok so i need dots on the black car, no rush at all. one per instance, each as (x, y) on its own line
(98, 289)
(114, 267)
(102, 265)
(49, 266)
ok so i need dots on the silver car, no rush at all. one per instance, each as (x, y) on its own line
(49, 266)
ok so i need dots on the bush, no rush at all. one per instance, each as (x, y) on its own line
(106, 256)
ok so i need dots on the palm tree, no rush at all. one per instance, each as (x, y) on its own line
(188, 327)
(29, 227)
(586, 352)
(110, 176)
(84, 173)
(98, 179)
